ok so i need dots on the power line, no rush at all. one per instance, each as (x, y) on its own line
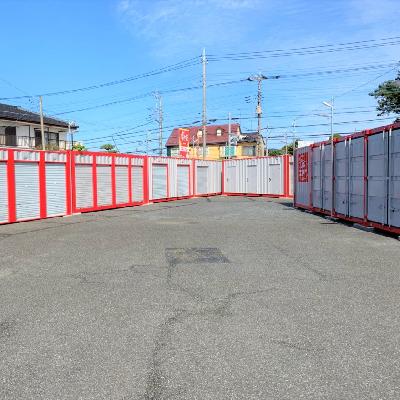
(310, 50)
(173, 67)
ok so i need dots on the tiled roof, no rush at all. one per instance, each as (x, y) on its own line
(212, 137)
(14, 113)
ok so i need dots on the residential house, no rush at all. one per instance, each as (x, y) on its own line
(250, 145)
(217, 140)
(218, 146)
(21, 128)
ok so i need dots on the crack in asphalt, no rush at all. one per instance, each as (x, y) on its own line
(157, 376)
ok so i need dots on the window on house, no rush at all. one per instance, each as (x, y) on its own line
(199, 133)
(219, 132)
(51, 138)
(249, 150)
(10, 133)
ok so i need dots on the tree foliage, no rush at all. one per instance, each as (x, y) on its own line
(109, 148)
(388, 96)
(79, 147)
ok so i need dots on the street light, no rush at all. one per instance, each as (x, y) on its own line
(331, 106)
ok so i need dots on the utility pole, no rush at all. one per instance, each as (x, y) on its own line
(204, 62)
(42, 123)
(331, 106)
(286, 149)
(229, 136)
(160, 122)
(259, 78)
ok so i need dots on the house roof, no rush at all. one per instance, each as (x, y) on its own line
(250, 137)
(14, 113)
(212, 137)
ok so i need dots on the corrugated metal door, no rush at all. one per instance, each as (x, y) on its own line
(327, 178)
(316, 178)
(159, 181)
(275, 179)
(122, 184)
(56, 197)
(84, 186)
(252, 179)
(104, 185)
(27, 190)
(3, 193)
(183, 180)
(394, 179)
(377, 177)
(231, 179)
(202, 179)
(137, 184)
(341, 178)
(356, 178)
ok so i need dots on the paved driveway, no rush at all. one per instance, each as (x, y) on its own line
(220, 298)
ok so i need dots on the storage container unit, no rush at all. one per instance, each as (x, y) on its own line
(290, 178)
(104, 180)
(207, 177)
(27, 185)
(122, 180)
(158, 178)
(170, 178)
(84, 182)
(3, 187)
(394, 179)
(262, 176)
(367, 178)
(56, 174)
(316, 173)
(138, 179)
(302, 174)
(183, 180)
(342, 177)
(357, 173)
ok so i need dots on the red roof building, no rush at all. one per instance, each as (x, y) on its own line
(216, 135)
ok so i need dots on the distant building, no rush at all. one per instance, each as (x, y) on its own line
(250, 145)
(304, 143)
(217, 141)
(21, 128)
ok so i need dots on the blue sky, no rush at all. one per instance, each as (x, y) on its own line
(60, 45)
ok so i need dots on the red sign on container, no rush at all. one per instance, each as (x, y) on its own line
(184, 140)
(302, 167)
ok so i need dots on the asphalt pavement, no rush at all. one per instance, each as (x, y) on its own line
(209, 298)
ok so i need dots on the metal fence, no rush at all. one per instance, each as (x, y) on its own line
(361, 183)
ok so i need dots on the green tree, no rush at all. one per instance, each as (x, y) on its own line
(388, 96)
(275, 152)
(109, 148)
(79, 147)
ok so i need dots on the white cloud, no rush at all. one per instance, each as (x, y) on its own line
(176, 26)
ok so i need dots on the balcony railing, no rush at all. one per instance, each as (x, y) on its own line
(27, 142)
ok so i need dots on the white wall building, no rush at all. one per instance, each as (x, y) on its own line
(21, 128)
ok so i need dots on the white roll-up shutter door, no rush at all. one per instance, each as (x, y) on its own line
(202, 179)
(159, 181)
(3, 193)
(122, 184)
(183, 180)
(104, 188)
(27, 190)
(84, 186)
(56, 189)
(137, 184)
